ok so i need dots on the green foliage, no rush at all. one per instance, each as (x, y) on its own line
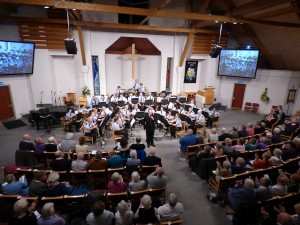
(264, 96)
(85, 91)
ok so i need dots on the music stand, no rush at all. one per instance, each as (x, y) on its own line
(139, 116)
(173, 99)
(173, 112)
(154, 93)
(45, 114)
(182, 100)
(164, 102)
(168, 92)
(195, 110)
(121, 104)
(101, 104)
(148, 102)
(205, 114)
(134, 101)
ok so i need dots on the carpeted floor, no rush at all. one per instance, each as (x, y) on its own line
(189, 188)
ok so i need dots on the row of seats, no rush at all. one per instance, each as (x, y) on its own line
(251, 107)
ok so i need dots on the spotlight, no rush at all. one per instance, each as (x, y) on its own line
(46, 7)
(216, 21)
(248, 47)
(74, 9)
(234, 22)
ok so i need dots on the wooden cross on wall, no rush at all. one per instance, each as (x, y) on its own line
(133, 57)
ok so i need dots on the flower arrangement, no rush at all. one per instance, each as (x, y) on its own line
(264, 96)
(85, 91)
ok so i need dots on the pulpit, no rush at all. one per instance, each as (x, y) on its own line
(71, 97)
(206, 96)
(81, 100)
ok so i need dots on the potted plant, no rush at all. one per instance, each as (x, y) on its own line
(85, 91)
(264, 96)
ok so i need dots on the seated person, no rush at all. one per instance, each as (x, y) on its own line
(227, 147)
(94, 102)
(200, 120)
(79, 164)
(81, 147)
(294, 183)
(276, 158)
(259, 128)
(263, 189)
(13, 187)
(70, 115)
(116, 184)
(90, 129)
(240, 146)
(171, 210)
(281, 187)
(276, 137)
(234, 134)
(49, 217)
(100, 215)
(38, 184)
(213, 136)
(175, 125)
(146, 213)
(224, 134)
(26, 143)
(119, 130)
(39, 147)
(124, 215)
(250, 129)
(122, 145)
(290, 126)
(97, 163)
(238, 167)
(114, 161)
(136, 184)
(151, 159)
(137, 145)
(218, 150)
(263, 163)
(289, 151)
(51, 146)
(60, 163)
(55, 188)
(194, 161)
(261, 143)
(251, 144)
(67, 144)
(243, 132)
(133, 160)
(188, 140)
(223, 171)
(23, 213)
(157, 179)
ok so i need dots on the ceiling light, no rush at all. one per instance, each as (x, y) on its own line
(74, 9)
(209, 14)
(224, 22)
(234, 22)
(216, 21)
(46, 7)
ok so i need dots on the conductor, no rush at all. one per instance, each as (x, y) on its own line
(149, 126)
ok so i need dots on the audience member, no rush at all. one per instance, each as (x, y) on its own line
(124, 216)
(213, 136)
(68, 144)
(199, 139)
(51, 146)
(284, 218)
(79, 164)
(288, 151)
(227, 147)
(281, 187)
(26, 143)
(116, 184)
(269, 136)
(276, 137)
(55, 188)
(114, 161)
(296, 217)
(146, 213)
(138, 145)
(194, 161)
(250, 144)
(23, 214)
(171, 210)
(97, 163)
(188, 140)
(276, 158)
(13, 187)
(49, 216)
(151, 159)
(81, 147)
(224, 134)
(60, 163)
(250, 130)
(261, 143)
(294, 183)
(157, 179)
(223, 171)
(136, 184)
(39, 147)
(38, 184)
(243, 132)
(263, 189)
(218, 150)
(263, 163)
(234, 134)
(123, 145)
(133, 160)
(100, 215)
(238, 166)
(240, 146)
(259, 128)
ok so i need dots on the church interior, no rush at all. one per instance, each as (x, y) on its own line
(196, 81)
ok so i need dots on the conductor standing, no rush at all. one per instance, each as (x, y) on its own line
(149, 126)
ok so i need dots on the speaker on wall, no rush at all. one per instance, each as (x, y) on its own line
(215, 51)
(70, 46)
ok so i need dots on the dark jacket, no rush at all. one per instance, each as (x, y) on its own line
(222, 137)
(61, 164)
(26, 145)
(152, 161)
(149, 123)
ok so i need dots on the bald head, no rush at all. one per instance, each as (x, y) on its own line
(59, 153)
(152, 151)
(160, 171)
(80, 156)
(26, 137)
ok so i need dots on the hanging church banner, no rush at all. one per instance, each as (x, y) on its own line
(96, 79)
(190, 73)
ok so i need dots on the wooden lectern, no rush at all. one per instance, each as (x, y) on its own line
(81, 100)
(71, 97)
(208, 95)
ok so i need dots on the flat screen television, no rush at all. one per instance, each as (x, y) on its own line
(238, 63)
(16, 57)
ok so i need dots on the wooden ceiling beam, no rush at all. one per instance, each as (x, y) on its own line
(162, 5)
(202, 9)
(81, 43)
(108, 25)
(270, 14)
(186, 48)
(146, 12)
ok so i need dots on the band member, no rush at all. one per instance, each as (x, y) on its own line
(118, 91)
(181, 110)
(171, 106)
(102, 98)
(135, 110)
(94, 102)
(175, 125)
(136, 84)
(213, 116)
(200, 119)
(126, 113)
(80, 109)
(91, 129)
(191, 114)
(169, 116)
(70, 119)
(149, 126)
(142, 88)
(114, 100)
(129, 99)
(141, 102)
(150, 97)
(119, 130)
(162, 111)
(150, 108)
(158, 102)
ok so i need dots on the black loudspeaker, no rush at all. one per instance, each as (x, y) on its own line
(215, 51)
(70, 46)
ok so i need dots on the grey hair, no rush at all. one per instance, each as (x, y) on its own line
(21, 206)
(172, 200)
(51, 139)
(115, 177)
(223, 129)
(146, 201)
(214, 130)
(133, 154)
(48, 210)
(52, 178)
(122, 207)
(98, 154)
(226, 164)
(269, 134)
(189, 132)
(135, 176)
(277, 130)
(240, 161)
(249, 184)
(277, 152)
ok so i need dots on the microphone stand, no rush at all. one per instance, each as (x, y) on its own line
(55, 98)
(59, 98)
(52, 97)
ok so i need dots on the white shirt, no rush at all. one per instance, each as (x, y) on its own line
(178, 122)
(136, 85)
(87, 126)
(150, 97)
(162, 112)
(102, 99)
(191, 115)
(107, 111)
(113, 99)
(141, 99)
(126, 112)
(158, 99)
(116, 126)
(69, 115)
(181, 111)
(200, 119)
(142, 88)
